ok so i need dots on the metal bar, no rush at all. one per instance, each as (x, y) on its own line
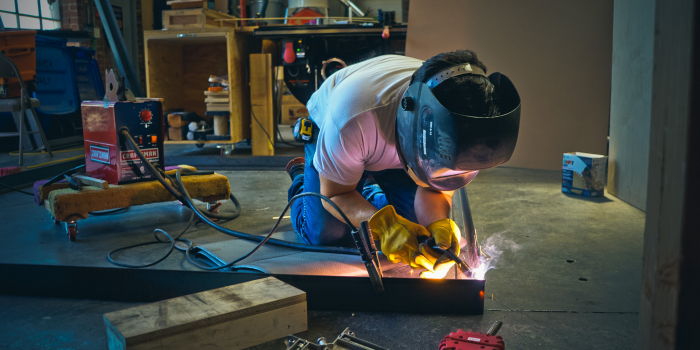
(471, 247)
(116, 42)
(347, 32)
(414, 295)
(28, 177)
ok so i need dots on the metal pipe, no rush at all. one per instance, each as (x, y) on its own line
(471, 247)
(116, 42)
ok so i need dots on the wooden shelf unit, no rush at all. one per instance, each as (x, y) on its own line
(178, 66)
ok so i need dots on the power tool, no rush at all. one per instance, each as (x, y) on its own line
(107, 154)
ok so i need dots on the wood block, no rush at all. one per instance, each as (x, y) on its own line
(195, 18)
(91, 181)
(262, 120)
(211, 99)
(218, 107)
(176, 134)
(233, 317)
(218, 5)
(175, 121)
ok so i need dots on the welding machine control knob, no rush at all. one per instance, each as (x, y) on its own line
(146, 115)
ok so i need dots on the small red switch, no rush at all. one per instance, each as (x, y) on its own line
(140, 140)
(289, 55)
(146, 115)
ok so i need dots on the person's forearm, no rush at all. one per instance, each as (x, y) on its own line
(431, 205)
(355, 207)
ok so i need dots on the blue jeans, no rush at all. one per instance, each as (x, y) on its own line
(317, 226)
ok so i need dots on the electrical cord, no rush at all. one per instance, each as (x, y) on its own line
(109, 212)
(262, 127)
(16, 189)
(157, 241)
(187, 200)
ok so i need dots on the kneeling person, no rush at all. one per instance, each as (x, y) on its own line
(396, 136)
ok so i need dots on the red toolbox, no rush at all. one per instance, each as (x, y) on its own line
(20, 47)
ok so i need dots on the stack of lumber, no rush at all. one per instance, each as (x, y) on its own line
(217, 101)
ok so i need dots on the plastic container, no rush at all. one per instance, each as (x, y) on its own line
(56, 86)
(87, 74)
(19, 46)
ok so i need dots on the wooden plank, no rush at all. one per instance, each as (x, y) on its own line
(164, 69)
(630, 103)
(91, 181)
(233, 317)
(238, 48)
(666, 234)
(565, 110)
(262, 124)
(175, 134)
(195, 18)
(203, 60)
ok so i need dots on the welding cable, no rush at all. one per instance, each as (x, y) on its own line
(160, 175)
(109, 212)
(16, 189)
(187, 200)
(62, 175)
(267, 238)
(157, 241)
(272, 241)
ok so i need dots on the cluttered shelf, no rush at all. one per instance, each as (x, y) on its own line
(179, 65)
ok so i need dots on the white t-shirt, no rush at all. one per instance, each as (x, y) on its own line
(355, 110)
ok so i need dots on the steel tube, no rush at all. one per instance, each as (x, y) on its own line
(471, 248)
(414, 295)
(116, 42)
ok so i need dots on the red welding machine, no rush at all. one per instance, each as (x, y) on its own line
(107, 154)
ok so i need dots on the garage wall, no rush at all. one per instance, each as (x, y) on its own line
(630, 106)
(557, 53)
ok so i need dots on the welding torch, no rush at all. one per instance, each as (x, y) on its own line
(461, 265)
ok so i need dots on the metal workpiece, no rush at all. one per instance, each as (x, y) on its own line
(472, 246)
(345, 341)
(402, 294)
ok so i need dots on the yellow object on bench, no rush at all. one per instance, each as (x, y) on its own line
(65, 204)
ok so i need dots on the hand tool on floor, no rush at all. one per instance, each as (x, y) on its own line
(461, 340)
(345, 341)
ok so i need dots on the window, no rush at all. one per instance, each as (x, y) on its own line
(31, 14)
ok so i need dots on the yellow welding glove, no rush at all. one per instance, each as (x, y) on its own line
(397, 236)
(446, 234)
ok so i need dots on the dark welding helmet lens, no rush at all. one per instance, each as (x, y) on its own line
(444, 150)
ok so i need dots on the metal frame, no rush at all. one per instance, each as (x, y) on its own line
(414, 295)
(116, 42)
(40, 17)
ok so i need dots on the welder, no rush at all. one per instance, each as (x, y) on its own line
(393, 137)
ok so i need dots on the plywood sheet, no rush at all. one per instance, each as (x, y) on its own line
(558, 54)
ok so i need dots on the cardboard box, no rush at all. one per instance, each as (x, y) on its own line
(584, 174)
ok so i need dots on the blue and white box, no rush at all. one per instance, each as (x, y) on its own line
(584, 174)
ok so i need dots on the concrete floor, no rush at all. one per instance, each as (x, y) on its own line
(569, 276)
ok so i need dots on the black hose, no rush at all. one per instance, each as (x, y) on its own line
(160, 175)
(187, 200)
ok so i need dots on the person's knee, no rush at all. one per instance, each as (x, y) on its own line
(338, 238)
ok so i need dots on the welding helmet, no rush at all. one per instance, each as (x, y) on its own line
(445, 150)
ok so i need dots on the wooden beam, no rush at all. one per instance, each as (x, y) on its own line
(233, 317)
(668, 311)
(262, 119)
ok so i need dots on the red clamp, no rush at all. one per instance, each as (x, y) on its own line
(461, 340)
